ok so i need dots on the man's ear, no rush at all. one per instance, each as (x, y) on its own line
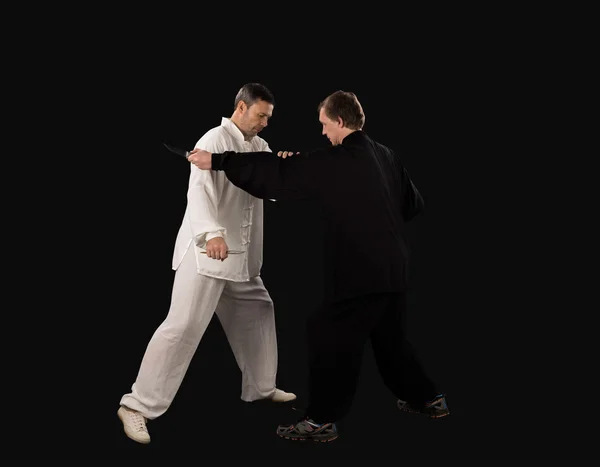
(340, 122)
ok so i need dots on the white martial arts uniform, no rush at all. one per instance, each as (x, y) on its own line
(203, 286)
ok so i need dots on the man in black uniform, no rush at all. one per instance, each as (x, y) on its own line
(367, 196)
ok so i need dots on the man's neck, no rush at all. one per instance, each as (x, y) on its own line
(349, 133)
(234, 121)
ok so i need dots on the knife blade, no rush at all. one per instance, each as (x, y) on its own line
(229, 252)
(180, 152)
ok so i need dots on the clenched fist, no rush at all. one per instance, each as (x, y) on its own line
(201, 159)
(216, 248)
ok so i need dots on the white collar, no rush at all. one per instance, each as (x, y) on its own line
(233, 129)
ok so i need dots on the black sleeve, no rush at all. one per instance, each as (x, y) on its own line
(412, 201)
(265, 175)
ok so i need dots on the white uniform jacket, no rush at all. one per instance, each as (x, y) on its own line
(216, 207)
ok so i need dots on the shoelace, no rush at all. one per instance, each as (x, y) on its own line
(138, 422)
(437, 401)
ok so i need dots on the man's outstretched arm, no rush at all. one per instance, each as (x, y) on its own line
(263, 174)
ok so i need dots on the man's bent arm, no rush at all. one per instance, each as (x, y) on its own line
(413, 201)
(203, 199)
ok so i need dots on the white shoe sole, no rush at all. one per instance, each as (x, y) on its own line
(287, 398)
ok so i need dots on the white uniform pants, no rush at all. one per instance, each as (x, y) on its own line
(246, 313)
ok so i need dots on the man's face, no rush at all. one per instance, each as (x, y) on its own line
(255, 118)
(331, 128)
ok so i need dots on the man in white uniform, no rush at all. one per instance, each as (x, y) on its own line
(217, 259)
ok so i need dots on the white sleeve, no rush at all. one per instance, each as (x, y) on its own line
(266, 146)
(203, 197)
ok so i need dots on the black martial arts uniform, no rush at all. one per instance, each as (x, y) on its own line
(367, 196)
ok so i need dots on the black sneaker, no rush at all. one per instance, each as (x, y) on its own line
(437, 408)
(307, 429)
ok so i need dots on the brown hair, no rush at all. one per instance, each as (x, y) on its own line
(344, 105)
(252, 92)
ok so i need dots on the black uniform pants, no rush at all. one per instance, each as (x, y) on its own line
(337, 334)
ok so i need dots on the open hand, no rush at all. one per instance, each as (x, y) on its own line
(284, 154)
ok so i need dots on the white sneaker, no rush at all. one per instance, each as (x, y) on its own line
(282, 396)
(134, 424)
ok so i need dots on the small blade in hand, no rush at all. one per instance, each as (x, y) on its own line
(178, 151)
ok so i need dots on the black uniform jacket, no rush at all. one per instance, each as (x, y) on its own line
(367, 197)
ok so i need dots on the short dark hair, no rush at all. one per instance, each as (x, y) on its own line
(252, 92)
(346, 106)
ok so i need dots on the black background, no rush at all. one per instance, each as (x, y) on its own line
(431, 116)
(464, 95)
